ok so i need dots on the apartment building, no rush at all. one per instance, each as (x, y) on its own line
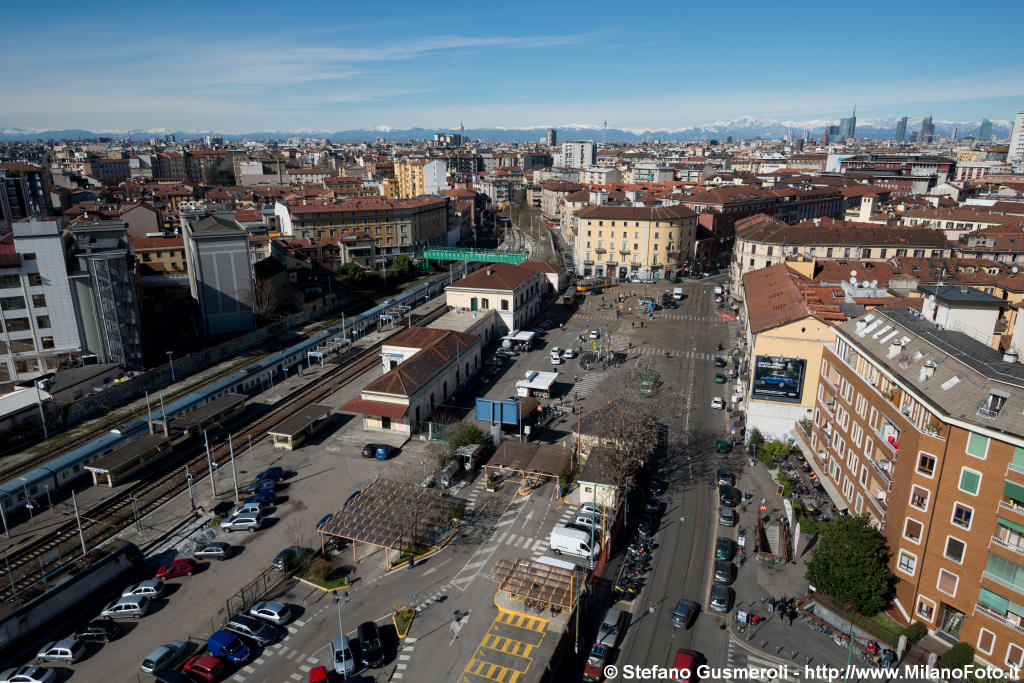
(399, 226)
(40, 326)
(762, 241)
(514, 291)
(620, 241)
(219, 271)
(24, 192)
(922, 429)
(576, 155)
(418, 177)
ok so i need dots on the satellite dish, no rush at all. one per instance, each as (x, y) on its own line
(1014, 269)
(853, 281)
(874, 283)
(931, 297)
(853, 273)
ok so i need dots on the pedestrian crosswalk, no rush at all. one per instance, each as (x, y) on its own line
(740, 658)
(586, 384)
(644, 350)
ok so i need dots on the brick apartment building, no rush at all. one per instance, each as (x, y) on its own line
(922, 429)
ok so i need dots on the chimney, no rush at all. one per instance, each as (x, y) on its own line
(927, 370)
(861, 324)
(894, 349)
(1010, 355)
(490, 271)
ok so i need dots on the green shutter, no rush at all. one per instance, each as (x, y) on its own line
(1005, 571)
(993, 601)
(977, 445)
(1012, 525)
(1018, 458)
(969, 480)
(1015, 491)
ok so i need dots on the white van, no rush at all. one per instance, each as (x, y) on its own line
(677, 293)
(718, 290)
(573, 542)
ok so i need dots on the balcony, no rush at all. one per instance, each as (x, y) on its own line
(625, 251)
(611, 262)
(1014, 468)
(600, 250)
(883, 472)
(1012, 507)
(996, 616)
(1006, 546)
(881, 505)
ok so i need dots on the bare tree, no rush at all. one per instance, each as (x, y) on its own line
(263, 298)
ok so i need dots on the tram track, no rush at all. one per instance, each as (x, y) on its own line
(107, 518)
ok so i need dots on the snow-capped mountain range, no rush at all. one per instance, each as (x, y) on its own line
(744, 127)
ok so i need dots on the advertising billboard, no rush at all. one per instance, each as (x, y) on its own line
(778, 379)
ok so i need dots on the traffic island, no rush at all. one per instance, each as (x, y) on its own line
(402, 619)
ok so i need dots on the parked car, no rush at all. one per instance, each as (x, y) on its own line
(653, 507)
(593, 670)
(720, 363)
(727, 495)
(152, 589)
(227, 645)
(251, 628)
(262, 498)
(183, 566)
(721, 599)
(339, 654)
(164, 657)
(370, 647)
(656, 485)
(725, 478)
(684, 613)
(292, 557)
(69, 651)
(28, 674)
(134, 607)
(720, 378)
(384, 451)
(213, 551)
(594, 334)
(318, 674)
(174, 676)
(545, 325)
(265, 486)
(612, 627)
(568, 354)
(370, 450)
(717, 403)
(722, 446)
(99, 631)
(274, 612)
(726, 516)
(648, 525)
(724, 549)
(270, 474)
(244, 522)
(685, 661)
(723, 572)
(206, 667)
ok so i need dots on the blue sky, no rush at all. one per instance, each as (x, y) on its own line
(240, 67)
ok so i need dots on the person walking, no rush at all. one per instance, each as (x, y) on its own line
(632, 324)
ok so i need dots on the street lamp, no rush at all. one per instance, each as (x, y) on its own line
(170, 359)
(42, 415)
(28, 501)
(188, 478)
(341, 628)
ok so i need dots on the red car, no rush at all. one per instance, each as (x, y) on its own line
(318, 674)
(180, 567)
(546, 325)
(206, 667)
(594, 669)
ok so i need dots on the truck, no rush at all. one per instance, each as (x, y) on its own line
(573, 542)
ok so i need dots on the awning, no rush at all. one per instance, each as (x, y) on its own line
(1015, 491)
(1012, 525)
(379, 408)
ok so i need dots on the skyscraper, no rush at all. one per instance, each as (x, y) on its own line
(552, 137)
(1016, 153)
(848, 126)
(986, 130)
(901, 129)
(927, 129)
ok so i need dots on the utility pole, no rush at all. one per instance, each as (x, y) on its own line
(209, 463)
(78, 521)
(188, 479)
(42, 415)
(234, 474)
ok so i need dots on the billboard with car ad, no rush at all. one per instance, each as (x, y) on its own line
(778, 379)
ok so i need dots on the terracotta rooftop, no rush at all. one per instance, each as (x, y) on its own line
(417, 370)
(497, 276)
(638, 213)
(772, 298)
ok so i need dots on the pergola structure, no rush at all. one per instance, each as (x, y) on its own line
(533, 461)
(394, 515)
(545, 584)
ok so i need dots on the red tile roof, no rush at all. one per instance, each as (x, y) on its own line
(416, 371)
(497, 276)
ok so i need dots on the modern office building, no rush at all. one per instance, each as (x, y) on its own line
(921, 428)
(102, 277)
(848, 126)
(40, 327)
(23, 192)
(219, 271)
(552, 137)
(927, 129)
(985, 132)
(1015, 155)
(901, 129)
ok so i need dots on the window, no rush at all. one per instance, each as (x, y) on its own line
(504, 304)
(919, 497)
(17, 324)
(22, 345)
(962, 515)
(970, 480)
(864, 475)
(9, 281)
(39, 301)
(12, 303)
(484, 304)
(977, 445)
(912, 530)
(1014, 655)
(907, 563)
(859, 505)
(947, 582)
(986, 641)
(925, 608)
(34, 280)
(955, 549)
(926, 464)
(42, 321)
(29, 256)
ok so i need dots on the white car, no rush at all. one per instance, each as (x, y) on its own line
(271, 611)
(594, 334)
(718, 403)
(569, 353)
(69, 651)
(28, 674)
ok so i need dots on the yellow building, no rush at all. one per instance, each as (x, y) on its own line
(416, 177)
(786, 341)
(621, 241)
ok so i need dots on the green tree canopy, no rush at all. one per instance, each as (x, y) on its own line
(850, 563)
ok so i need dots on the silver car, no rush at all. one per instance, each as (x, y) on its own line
(271, 611)
(256, 630)
(69, 651)
(213, 551)
(28, 674)
(152, 589)
(164, 657)
(721, 598)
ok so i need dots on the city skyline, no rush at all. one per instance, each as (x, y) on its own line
(245, 69)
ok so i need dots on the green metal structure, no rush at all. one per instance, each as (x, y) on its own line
(469, 254)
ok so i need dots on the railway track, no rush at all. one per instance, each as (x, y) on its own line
(110, 516)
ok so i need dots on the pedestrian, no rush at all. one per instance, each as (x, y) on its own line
(771, 604)
(792, 616)
(632, 324)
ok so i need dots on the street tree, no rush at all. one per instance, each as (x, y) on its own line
(263, 299)
(850, 563)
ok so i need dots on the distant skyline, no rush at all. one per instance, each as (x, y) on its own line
(324, 66)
